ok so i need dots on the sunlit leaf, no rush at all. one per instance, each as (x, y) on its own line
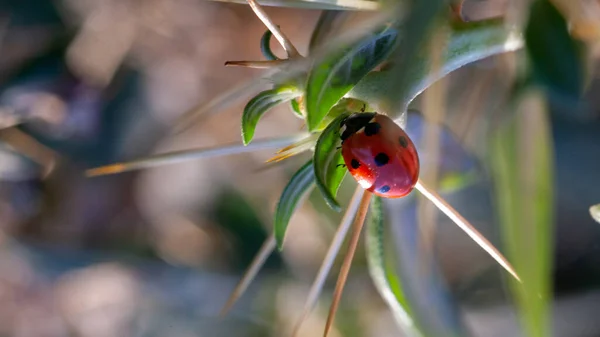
(300, 184)
(329, 171)
(265, 46)
(556, 58)
(522, 168)
(295, 104)
(344, 105)
(409, 282)
(260, 104)
(330, 80)
(386, 282)
(595, 212)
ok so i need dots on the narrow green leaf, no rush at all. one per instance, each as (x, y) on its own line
(260, 104)
(386, 282)
(595, 212)
(556, 58)
(265, 46)
(300, 184)
(296, 107)
(522, 170)
(331, 79)
(327, 158)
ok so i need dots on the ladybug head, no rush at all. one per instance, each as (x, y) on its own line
(353, 123)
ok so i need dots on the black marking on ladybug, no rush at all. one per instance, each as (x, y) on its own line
(354, 163)
(353, 123)
(372, 129)
(384, 189)
(381, 159)
(403, 142)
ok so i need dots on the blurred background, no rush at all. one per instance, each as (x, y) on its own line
(156, 252)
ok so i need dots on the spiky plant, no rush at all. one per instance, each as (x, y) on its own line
(383, 64)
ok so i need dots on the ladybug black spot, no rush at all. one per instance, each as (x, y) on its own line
(381, 159)
(403, 142)
(354, 163)
(372, 129)
(384, 189)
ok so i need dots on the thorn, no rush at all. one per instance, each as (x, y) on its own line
(332, 252)
(287, 45)
(461, 222)
(192, 154)
(259, 260)
(255, 64)
(31, 148)
(357, 226)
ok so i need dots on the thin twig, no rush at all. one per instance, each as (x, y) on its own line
(259, 260)
(461, 222)
(332, 252)
(256, 64)
(287, 45)
(359, 221)
(181, 156)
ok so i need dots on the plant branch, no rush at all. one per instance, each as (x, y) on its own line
(359, 221)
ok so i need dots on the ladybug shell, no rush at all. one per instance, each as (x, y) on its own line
(382, 158)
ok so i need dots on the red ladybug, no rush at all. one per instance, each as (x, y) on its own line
(379, 154)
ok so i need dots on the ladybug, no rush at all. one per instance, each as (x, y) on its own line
(379, 154)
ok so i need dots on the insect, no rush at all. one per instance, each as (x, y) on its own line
(379, 154)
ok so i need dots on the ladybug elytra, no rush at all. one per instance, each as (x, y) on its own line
(379, 154)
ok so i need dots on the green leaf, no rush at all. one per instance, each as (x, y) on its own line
(300, 184)
(522, 170)
(408, 278)
(343, 106)
(265, 46)
(331, 79)
(327, 159)
(260, 104)
(556, 58)
(387, 283)
(296, 107)
(595, 212)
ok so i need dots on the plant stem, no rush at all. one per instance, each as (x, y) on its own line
(359, 221)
